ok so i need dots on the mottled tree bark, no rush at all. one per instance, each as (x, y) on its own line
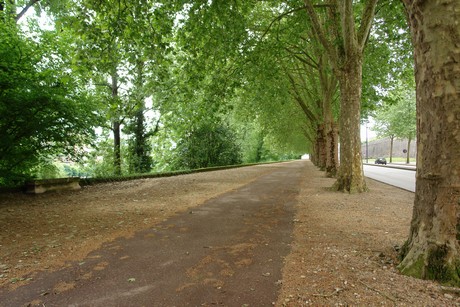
(432, 250)
(350, 177)
(332, 149)
(321, 145)
(328, 90)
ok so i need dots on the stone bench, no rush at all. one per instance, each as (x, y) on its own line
(58, 184)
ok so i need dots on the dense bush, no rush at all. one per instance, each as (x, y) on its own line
(207, 146)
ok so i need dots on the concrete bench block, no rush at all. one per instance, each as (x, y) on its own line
(58, 184)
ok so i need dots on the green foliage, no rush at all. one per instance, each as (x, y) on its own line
(257, 146)
(388, 56)
(239, 72)
(120, 49)
(42, 110)
(207, 146)
(245, 63)
(398, 116)
(47, 168)
(253, 146)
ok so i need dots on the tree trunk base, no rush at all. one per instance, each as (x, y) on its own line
(331, 172)
(437, 263)
(344, 184)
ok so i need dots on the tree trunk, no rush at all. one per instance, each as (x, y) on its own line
(321, 145)
(408, 151)
(329, 86)
(140, 161)
(317, 151)
(116, 128)
(116, 147)
(139, 144)
(392, 138)
(350, 177)
(432, 250)
(332, 149)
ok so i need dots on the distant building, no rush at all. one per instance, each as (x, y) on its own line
(381, 148)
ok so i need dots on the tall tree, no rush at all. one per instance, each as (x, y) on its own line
(397, 118)
(114, 36)
(344, 37)
(313, 87)
(432, 250)
(405, 111)
(384, 127)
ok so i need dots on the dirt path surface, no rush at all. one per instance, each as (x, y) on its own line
(228, 251)
(86, 247)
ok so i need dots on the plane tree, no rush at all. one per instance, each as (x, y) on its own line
(432, 250)
(343, 32)
(262, 37)
(314, 87)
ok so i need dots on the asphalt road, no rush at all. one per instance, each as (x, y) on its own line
(402, 178)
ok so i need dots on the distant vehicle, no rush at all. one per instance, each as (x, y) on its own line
(381, 161)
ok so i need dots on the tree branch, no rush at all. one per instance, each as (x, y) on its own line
(348, 26)
(103, 84)
(320, 33)
(310, 63)
(278, 18)
(157, 128)
(25, 9)
(308, 113)
(366, 23)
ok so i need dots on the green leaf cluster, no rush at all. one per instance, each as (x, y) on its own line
(42, 110)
